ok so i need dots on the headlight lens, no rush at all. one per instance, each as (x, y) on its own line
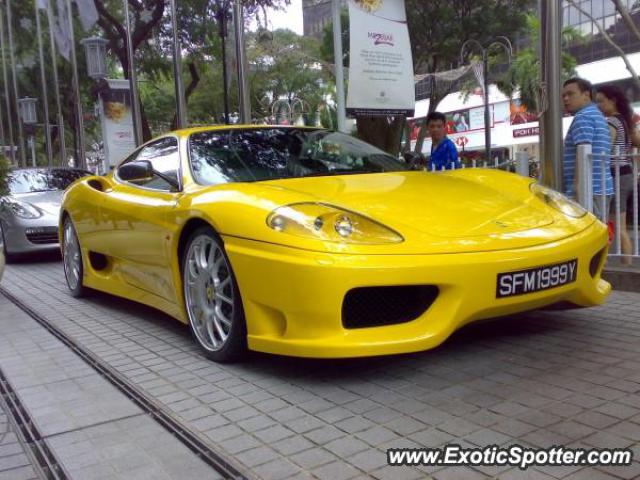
(24, 210)
(558, 201)
(328, 223)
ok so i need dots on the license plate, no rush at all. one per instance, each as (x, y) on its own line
(536, 279)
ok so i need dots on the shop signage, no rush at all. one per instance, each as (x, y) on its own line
(526, 132)
(381, 68)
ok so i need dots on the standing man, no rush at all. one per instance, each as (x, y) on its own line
(444, 155)
(588, 127)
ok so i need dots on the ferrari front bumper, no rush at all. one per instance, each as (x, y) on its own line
(293, 298)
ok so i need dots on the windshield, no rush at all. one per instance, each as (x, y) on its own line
(27, 181)
(274, 153)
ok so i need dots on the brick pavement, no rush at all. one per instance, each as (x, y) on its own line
(540, 379)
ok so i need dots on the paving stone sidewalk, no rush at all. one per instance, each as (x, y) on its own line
(92, 429)
(546, 378)
(15, 464)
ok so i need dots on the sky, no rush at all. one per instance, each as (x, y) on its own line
(290, 18)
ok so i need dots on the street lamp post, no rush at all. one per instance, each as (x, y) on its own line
(222, 16)
(29, 118)
(243, 92)
(133, 83)
(95, 50)
(484, 50)
(95, 54)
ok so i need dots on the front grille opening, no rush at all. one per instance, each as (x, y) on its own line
(596, 263)
(381, 306)
(42, 235)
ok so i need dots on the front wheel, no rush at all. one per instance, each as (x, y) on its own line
(212, 298)
(72, 259)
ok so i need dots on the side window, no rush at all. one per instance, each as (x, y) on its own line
(164, 157)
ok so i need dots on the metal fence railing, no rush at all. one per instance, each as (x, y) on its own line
(520, 165)
(619, 211)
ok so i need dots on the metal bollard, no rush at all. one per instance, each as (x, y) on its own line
(584, 176)
(522, 163)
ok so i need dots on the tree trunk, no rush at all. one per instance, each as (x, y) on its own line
(382, 132)
(610, 41)
(434, 100)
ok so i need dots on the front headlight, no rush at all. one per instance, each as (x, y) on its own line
(23, 209)
(558, 201)
(319, 221)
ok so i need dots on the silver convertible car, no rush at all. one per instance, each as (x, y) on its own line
(29, 213)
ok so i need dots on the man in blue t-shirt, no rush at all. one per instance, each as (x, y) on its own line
(444, 155)
(588, 127)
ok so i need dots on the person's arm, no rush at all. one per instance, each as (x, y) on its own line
(613, 133)
(634, 136)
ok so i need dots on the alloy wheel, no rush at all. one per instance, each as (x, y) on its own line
(71, 256)
(209, 292)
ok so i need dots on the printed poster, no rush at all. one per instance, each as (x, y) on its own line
(117, 123)
(381, 67)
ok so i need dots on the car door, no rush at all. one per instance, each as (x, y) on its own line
(137, 220)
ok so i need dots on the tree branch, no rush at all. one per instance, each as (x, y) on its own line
(626, 17)
(610, 41)
(140, 34)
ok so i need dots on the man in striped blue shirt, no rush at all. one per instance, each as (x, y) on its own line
(588, 127)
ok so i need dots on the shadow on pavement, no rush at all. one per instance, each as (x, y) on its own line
(48, 256)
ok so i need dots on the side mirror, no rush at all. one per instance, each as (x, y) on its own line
(138, 171)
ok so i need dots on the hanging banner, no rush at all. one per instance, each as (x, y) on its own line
(117, 122)
(381, 67)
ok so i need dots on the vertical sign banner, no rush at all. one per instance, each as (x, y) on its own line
(117, 122)
(381, 66)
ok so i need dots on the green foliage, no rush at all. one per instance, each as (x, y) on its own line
(284, 66)
(326, 49)
(524, 72)
(4, 170)
(437, 31)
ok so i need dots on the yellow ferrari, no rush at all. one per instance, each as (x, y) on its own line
(311, 243)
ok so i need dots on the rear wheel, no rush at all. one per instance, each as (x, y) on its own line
(72, 259)
(212, 298)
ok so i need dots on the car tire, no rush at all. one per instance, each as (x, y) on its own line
(212, 298)
(72, 259)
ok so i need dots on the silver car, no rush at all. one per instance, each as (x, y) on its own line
(29, 214)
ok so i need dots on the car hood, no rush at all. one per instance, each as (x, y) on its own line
(49, 202)
(434, 204)
(470, 210)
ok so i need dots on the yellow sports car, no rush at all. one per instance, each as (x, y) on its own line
(312, 243)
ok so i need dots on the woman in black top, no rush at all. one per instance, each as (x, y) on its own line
(615, 106)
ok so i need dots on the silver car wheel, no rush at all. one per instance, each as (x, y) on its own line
(71, 255)
(209, 292)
